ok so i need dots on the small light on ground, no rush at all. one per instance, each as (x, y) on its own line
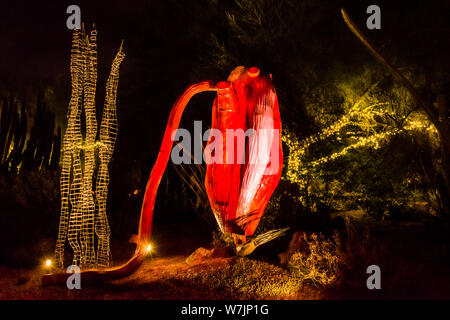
(48, 263)
(148, 248)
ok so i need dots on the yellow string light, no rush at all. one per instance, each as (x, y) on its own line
(298, 168)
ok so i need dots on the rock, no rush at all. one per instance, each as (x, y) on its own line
(297, 244)
(202, 254)
(199, 255)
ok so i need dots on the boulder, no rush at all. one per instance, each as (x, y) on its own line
(198, 255)
(202, 254)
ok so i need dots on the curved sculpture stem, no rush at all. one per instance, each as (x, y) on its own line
(145, 224)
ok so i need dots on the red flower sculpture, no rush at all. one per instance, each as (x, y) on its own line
(246, 170)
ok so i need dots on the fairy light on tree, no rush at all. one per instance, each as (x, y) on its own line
(83, 211)
(298, 166)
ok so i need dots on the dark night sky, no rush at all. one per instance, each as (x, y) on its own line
(36, 43)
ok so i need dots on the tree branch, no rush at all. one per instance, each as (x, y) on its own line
(426, 105)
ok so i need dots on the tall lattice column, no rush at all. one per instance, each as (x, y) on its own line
(88, 203)
(83, 211)
(76, 140)
(108, 135)
(69, 149)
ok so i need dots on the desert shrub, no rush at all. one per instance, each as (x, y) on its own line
(328, 260)
(320, 264)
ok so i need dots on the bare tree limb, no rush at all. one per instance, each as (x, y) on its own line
(426, 105)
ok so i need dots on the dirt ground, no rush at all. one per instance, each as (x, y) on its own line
(414, 262)
(165, 278)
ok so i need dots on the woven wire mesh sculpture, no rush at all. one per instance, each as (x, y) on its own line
(83, 220)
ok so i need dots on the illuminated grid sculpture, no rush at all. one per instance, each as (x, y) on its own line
(83, 211)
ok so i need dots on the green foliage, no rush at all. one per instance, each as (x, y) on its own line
(367, 157)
